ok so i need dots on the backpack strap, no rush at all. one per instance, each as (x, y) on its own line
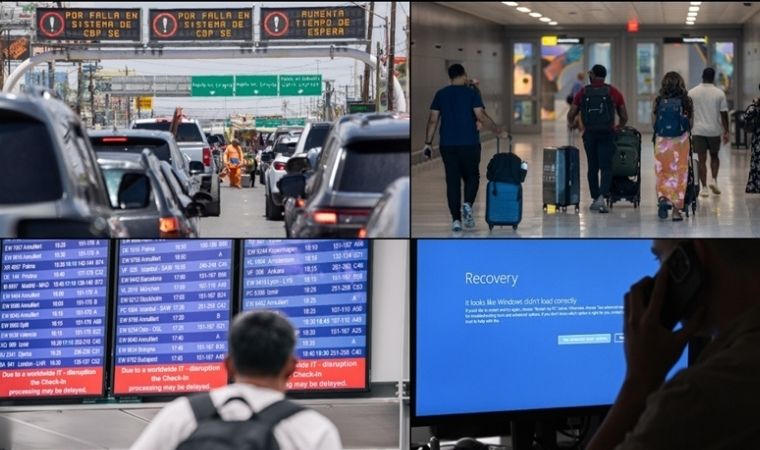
(203, 407)
(277, 411)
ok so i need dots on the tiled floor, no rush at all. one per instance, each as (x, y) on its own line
(731, 214)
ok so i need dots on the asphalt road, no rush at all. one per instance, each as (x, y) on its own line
(242, 216)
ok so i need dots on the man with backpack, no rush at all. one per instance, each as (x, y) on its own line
(710, 120)
(251, 413)
(597, 104)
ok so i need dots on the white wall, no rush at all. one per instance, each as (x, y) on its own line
(390, 300)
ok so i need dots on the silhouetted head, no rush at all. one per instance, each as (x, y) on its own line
(708, 75)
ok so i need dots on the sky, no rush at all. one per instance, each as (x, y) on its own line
(343, 70)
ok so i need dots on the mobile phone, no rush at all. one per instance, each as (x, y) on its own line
(684, 280)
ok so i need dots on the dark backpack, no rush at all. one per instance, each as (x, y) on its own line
(506, 168)
(255, 433)
(597, 109)
(670, 119)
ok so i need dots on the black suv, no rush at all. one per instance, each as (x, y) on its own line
(53, 184)
(363, 154)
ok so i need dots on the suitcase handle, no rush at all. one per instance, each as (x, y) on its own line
(498, 141)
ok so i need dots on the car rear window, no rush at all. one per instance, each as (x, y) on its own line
(159, 147)
(316, 138)
(286, 149)
(188, 132)
(29, 167)
(372, 166)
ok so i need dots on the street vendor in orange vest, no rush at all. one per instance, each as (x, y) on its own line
(233, 158)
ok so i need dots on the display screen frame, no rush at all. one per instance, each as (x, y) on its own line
(484, 419)
(163, 396)
(105, 358)
(326, 393)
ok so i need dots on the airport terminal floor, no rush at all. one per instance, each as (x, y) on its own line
(733, 213)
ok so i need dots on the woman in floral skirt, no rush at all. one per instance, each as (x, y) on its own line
(672, 152)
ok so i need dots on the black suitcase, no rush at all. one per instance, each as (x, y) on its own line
(562, 177)
(692, 185)
(504, 202)
(626, 168)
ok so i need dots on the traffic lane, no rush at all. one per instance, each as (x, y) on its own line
(242, 216)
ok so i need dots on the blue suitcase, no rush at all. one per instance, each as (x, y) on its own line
(504, 202)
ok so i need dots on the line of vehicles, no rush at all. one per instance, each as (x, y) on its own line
(349, 178)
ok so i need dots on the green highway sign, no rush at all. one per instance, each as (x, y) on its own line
(295, 122)
(268, 122)
(300, 85)
(256, 85)
(212, 86)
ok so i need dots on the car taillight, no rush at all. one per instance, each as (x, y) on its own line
(168, 225)
(206, 156)
(323, 217)
(279, 165)
(300, 202)
(113, 139)
(362, 233)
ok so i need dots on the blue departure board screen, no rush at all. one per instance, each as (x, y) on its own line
(53, 317)
(322, 286)
(173, 309)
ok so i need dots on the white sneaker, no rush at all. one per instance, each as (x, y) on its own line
(467, 218)
(714, 187)
(456, 227)
(704, 192)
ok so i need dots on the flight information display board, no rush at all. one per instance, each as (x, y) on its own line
(173, 308)
(322, 286)
(53, 310)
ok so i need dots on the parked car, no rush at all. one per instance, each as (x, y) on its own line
(163, 216)
(390, 218)
(193, 143)
(283, 150)
(161, 143)
(54, 186)
(363, 154)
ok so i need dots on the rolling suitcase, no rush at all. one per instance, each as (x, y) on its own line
(504, 200)
(626, 168)
(562, 177)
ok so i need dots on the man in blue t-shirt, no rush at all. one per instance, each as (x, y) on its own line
(459, 108)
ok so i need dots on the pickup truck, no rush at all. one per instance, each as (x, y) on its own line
(192, 142)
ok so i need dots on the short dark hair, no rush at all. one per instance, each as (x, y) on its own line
(260, 343)
(455, 71)
(599, 71)
(708, 75)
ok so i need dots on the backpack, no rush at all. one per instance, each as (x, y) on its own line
(597, 109)
(255, 433)
(506, 168)
(670, 119)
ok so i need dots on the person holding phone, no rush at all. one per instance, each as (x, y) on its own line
(712, 287)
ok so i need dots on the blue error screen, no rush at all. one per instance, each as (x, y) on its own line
(514, 325)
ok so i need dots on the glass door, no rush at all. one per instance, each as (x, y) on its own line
(646, 84)
(525, 116)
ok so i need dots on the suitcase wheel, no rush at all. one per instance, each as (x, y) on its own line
(490, 227)
(564, 209)
(577, 208)
(514, 227)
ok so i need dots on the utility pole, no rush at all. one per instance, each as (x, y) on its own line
(365, 81)
(391, 55)
(408, 60)
(92, 93)
(79, 89)
(377, 80)
(51, 75)
(328, 102)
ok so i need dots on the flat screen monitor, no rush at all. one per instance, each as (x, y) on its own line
(173, 310)
(322, 286)
(509, 327)
(53, 318)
